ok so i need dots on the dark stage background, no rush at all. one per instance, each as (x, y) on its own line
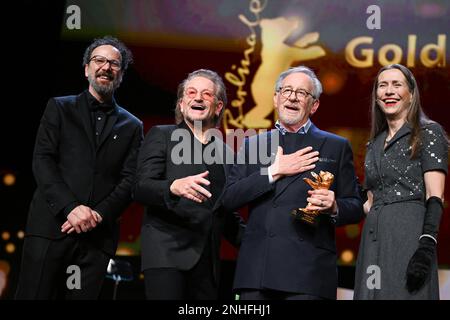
(248, 43)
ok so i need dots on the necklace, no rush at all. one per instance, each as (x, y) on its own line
(387, 140)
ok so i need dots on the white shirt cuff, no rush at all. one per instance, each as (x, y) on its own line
(269, 174)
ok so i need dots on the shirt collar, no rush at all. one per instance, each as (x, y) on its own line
(302, 130)
(95, 105)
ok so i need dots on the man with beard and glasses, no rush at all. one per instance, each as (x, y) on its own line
(84, 163)
(283, 256)
(181, 175)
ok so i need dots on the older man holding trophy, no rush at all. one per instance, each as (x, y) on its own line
(288, 251)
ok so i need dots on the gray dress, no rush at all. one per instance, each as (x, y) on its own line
(394, 223)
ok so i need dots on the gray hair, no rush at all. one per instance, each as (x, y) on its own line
(301, 69)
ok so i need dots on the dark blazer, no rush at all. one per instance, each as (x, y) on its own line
(175, 230)
(70, 169)
(277, 251)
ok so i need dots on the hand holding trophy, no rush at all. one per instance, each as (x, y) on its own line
(323, 180)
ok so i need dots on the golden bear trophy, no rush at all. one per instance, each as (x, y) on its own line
(323, 180)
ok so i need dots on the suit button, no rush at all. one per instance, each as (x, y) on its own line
(301, 239)
(370, 230)
(271, 234)
(275, 205)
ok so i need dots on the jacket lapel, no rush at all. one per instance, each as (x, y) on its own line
(223, 150)
(314, 139)
(112, 118)
(379, 144)
(83, 111)
(403, 131)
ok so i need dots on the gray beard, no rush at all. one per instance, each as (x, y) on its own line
(104, 90)
(289, 121)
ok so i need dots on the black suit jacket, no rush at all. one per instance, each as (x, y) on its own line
(277, 251)
(175, 230)
(70, 169)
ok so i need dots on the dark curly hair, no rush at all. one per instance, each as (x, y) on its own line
(127, 56)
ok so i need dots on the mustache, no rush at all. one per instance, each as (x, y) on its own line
(198, 106)
(107, 74)
(293, 105)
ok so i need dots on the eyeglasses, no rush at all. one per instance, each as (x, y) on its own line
(300, 94)
(100, 61)
(191, 93)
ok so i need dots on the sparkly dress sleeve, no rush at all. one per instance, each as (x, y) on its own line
(434, 153)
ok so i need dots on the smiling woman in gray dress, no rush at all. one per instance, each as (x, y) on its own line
(405, 168)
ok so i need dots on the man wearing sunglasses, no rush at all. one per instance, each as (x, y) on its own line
(182, 190)
(84, 164)
(283, 255)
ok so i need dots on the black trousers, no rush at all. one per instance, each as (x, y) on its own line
(255, 294)
(173, 284)
(50, 268)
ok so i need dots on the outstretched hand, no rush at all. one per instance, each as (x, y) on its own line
(191, 188)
